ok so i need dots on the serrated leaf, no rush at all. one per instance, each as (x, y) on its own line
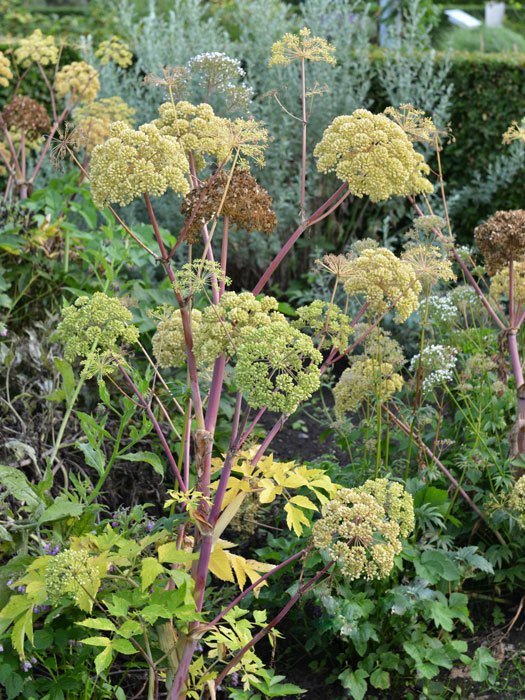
(103, 660)
(129, 628)
(170, 553)
(93, 455)
(22, 628)
(220, 565)
(482, 663)
(16, 484)
(150, 569)
(296, 519)
(304, 502)
(380, 679)
(151, 613)
(98, 623)
(97, 641)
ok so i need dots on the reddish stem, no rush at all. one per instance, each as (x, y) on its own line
(294, 238)
(293, 600)
(145, 405)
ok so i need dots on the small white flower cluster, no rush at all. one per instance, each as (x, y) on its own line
(218, 72)
(437, 363)
(441, 308)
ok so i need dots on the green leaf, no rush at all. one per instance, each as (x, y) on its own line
(380, 679)
(148, 457)
(151, 568)
(171, 554)
(151, 613)
(13, 685)
(16, 484)
(68, 378)
(98, 623)
(441, 615)
(22, 628)
(482, 663)
(97, 641)
(129, 628)
(118, 606)
(61, 509)
(93, 455)
(103, 660)
(123, 646)
(355, 682)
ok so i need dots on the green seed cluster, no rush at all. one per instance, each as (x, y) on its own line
(168, 341)
(218, 330)
(69, 573)
(6, 74)
(373, 155)
(132, 163)
(362, 528)
(302, 46)
(198, 129)
(385, 281)
(225, 325)
(95, 325)
(278, 367)
(499, 284)
(325, 319)
(79, 80)
(38, 48)
(516, 499)
(429, 263)
(367, 378)
(114, 50)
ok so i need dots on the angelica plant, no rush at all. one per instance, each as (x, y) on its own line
(275, 364)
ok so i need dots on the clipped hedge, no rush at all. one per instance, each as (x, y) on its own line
(488, 94)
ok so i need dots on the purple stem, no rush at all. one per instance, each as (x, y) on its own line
(293, 600)
(294, 238)
(145, 405)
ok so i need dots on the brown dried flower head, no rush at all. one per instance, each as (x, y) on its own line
(25, 113)
(247, 204)
(501, 239)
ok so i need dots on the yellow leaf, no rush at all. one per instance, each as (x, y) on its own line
(220, 564)
(295, 518)
(304, 502)
(270, 490)
(248, 568)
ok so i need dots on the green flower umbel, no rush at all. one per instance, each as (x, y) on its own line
(374, 155)
(278, 367)
(95, 325)
(362, 528)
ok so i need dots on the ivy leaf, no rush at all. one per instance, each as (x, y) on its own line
(355, 682)
(151, 568)
(380, 679)
(482, 663)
